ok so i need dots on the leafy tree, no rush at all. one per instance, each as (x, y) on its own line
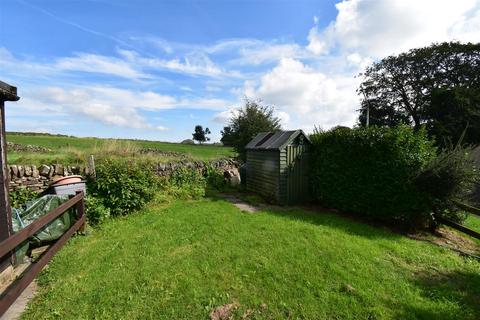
(453, 113)
(399, 88)
(246, 123)
(200, 135)
(227, 135)
(381, 115)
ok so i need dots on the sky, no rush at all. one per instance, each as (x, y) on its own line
(155, 69)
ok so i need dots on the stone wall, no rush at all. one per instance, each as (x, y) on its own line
(38, 179)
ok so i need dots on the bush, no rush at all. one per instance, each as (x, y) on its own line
(185, 183)
(370, 172)
(95, 210)
(123, 186)
(215, 179)
(21, 196)
(448, 177)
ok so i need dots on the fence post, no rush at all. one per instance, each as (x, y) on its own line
(91, 167)
(80, 206)
(7, 93)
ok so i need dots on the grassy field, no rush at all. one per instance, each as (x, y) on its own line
(180, 260)
(71, 150)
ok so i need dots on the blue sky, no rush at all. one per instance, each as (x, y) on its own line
(155, 69)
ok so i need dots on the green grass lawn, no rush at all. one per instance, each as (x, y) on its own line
(180, 260)
(72, 150)
(473, 222)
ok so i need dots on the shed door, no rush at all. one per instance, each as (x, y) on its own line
(297, 174)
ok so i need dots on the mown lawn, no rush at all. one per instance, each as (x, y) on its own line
(72, 150)
(180, 260)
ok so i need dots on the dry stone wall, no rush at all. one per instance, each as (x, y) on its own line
(39, 178)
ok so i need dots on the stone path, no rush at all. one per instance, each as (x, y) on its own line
(240, 204)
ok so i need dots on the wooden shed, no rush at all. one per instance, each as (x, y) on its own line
(277, 166)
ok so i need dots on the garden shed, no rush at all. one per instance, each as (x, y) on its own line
(277, 166)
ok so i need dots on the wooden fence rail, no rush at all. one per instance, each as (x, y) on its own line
(467, 208)
(12, 292)
(460, 227)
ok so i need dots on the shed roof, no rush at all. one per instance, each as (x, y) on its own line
(8, 92)
(274, 140)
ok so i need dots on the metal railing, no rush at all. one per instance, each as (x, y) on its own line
(13, 291)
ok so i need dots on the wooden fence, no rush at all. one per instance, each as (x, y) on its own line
(12, 292)
(460, 227)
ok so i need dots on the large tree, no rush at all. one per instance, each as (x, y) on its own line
(400, 88)
(246, 122)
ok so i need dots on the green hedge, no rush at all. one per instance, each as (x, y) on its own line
(371, 171)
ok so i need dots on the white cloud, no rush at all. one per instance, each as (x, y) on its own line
(307, 96)
(223, 117)
(194, 63)
(110, 105)
(99, 64)
(316, 44)
(284, 117)
(263, 52)
(106, 104)
(379, 28)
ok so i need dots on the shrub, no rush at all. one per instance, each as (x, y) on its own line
(448, 177)
(95, 210)
(214, 178)
(21, 196)
(185, 183)
(370, 172)
(123, 186)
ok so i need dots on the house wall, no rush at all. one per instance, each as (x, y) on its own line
(263, 173)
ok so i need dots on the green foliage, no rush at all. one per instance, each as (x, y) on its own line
(95, 210)
(246, 123)
(370, 172)
(449, 176)
(123, 186)
(402, 85)
(214, 178)
(184, 183)
(200, 135)
(454, 113)
(21, 196)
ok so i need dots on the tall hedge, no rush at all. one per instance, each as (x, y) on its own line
(371, 171)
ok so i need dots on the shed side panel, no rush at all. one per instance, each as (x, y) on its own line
(263, 173)
(283, 179)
